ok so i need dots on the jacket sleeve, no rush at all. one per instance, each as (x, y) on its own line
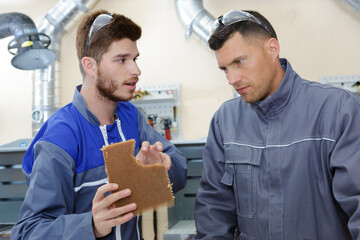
(215, 207)
(48, 208)
(178, 169)
(345, 164)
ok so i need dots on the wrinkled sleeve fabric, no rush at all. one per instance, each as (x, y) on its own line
(47, 211)
(345, 163)
(178, 169)
(215, 207)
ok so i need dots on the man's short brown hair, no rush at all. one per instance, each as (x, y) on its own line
(119, 28)
(251, 31)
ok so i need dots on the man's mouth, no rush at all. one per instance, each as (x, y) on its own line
(242, 90)
(131, 85)
(132, 82)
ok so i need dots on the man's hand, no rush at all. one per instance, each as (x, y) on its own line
(152, 154)
(105, 215)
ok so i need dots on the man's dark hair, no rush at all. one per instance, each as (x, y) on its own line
(249, 30)
(119, 28)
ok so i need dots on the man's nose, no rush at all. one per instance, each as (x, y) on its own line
(233, 77)
(135, 69)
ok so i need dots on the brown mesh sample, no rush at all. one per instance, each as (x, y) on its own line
(149, 184)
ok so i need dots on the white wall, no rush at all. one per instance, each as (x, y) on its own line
(319, 37)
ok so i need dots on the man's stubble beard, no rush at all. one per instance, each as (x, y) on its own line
(107, 87)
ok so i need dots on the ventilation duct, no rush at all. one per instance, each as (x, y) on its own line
(59, 20)
(351, 5)
(32, 53)
(195, 19)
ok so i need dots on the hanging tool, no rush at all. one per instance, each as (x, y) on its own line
(167, 124)
(174, 124)
(152, 119)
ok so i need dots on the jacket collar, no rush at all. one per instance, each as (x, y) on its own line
(277, 101)
(80, 104)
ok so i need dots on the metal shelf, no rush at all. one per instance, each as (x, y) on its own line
(342, 81)
(162, 102)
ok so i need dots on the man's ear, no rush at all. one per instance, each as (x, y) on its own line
(273, 47)
(90, 66)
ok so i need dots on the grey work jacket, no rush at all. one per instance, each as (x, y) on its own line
(284, 168)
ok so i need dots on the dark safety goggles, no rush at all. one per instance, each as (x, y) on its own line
(100, 21)
(235, 16)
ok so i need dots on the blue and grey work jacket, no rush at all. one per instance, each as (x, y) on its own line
(64, 167)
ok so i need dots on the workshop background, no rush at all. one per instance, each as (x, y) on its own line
(319, 37)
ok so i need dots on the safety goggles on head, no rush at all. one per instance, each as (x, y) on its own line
(100, 21)
(235, 16)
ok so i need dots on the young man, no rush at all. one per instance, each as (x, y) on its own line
(282, 161)
(68, 196)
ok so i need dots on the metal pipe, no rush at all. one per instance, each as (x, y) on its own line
(31, 52)
(195, 19)
(14, 24)
(46, 82)
(352, 5)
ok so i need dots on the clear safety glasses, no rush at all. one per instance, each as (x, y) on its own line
(100, 21)
(235, 16)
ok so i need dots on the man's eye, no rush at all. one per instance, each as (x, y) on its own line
(239, 61)
(121, 60)
(225, 70)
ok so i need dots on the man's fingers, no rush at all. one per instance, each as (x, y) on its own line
(116, 212)
(119, 220)
(121, 211)
(167, 160)
(108, 201)
(99, 195)
(115, 216)
(141, 156)
(158, 146)
(152, 154)
(145, 146)
(112, 198)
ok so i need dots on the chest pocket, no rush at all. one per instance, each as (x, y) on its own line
(241, 173)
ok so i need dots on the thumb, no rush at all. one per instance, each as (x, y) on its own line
(141, 156)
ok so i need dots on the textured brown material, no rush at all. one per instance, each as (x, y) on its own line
(149, 184)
